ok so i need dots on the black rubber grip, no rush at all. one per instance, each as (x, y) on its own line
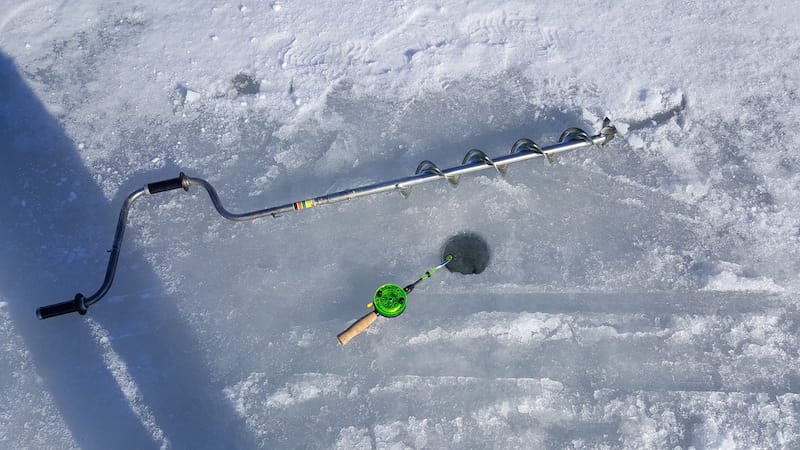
(167, 185)
(75, 305)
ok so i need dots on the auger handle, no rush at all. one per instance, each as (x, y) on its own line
(356, 328)
(57, 309)
(180, 182)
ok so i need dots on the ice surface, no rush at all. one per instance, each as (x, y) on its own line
(641, 295)
(28, 416)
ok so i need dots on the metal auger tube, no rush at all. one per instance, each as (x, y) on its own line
(474, 161)
(238, 217)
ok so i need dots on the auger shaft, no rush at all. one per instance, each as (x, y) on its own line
(405, 184)
(453, 173)
(474, 161)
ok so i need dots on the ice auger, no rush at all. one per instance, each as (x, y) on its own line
(474, 161)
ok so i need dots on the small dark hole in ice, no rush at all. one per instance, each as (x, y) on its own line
(470, 253)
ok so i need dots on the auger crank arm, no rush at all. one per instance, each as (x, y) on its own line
(474, 161)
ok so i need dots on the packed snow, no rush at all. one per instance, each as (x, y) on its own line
(639, 295)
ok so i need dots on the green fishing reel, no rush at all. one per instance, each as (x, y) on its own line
(389, 300)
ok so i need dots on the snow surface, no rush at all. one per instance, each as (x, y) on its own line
(642, 295)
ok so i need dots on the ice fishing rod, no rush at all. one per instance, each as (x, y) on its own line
(474, 161)
(389, 300)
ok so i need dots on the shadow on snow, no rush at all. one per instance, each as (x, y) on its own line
(56, 226)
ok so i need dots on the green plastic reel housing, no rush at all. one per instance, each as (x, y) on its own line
(390, 300)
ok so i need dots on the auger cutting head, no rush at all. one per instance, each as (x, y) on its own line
(390, 300)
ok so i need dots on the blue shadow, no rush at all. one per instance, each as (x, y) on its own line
(56, 226)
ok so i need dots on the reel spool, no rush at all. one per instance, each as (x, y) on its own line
(389, 300)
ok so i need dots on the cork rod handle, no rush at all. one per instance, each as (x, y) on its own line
(356, 328)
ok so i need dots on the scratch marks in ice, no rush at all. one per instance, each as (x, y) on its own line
(304, 388)
(300, 395)
(464, 411)
(527, 328)
(253, 392)
(733, 349)
(127, 385)
(273, 414)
